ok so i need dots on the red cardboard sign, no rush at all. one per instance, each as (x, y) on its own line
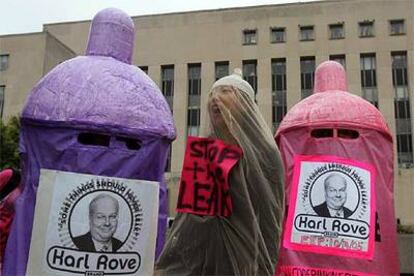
(204, 187)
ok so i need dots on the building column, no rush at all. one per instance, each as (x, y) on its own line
(319, 60)
(264, 89)
(293, 92)
(233, 64)
(385, 88)
(353, 73)
(386, 94)
(207, 80)
(180, 116)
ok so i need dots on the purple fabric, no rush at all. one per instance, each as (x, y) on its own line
(99, 94)
(55, 146)
(111, 34)
(104, 91)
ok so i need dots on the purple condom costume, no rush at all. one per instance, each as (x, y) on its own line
(100, 93)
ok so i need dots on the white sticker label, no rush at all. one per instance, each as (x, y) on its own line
(332, 207)
(93, 225)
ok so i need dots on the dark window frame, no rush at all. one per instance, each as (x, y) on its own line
(251, 79)
(279, 90)
(248, 34)
(392, 23)
(276, 30)
(194, 84)
(366, 28)
(4, 62)
(337, 26)
(303, 29)
(218, 65)
(194, 98)
(167, 83)
(399, 68)
(193, 120)
(338, 57)
(307, 78)
(368, 76)
(402, 109)
(167, 80)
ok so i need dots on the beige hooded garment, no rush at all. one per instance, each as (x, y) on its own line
(246, 242)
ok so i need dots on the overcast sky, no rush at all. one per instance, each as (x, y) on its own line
(25, 16)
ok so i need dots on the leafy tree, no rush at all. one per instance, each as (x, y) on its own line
(9, 143)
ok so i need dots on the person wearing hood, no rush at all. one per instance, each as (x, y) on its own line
(247, 241)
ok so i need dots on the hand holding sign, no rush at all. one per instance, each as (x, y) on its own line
(204, 188)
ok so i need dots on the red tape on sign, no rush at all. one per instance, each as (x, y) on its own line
(204, 187)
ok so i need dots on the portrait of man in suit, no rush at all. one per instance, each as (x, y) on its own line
(103, 222)
(335, 197)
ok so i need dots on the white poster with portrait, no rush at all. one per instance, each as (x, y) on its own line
(93, 225)
(332, 207)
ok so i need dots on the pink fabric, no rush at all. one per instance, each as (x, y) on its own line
(6, 210)
(335, 106)
(301, 270)
(5, 176)
(330, 107)
(330, 76)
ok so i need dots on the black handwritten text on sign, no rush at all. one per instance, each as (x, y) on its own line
(204, 187)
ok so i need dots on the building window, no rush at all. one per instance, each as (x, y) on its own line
(397, 27)
(250, 74)
(193, 121)
(167, 83)
(4, 62)
(369, 78)
(221, 69)
(194, 79)
(249, 37)
(306, 33)
(2, 89)
(144, 68)
(405, 150)
(402, 109)
(194, 92)
(336, 31)
(339, 58)
(277, 35)
(307, 72)
(279, 103)
(399, 70)
(366, 29)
